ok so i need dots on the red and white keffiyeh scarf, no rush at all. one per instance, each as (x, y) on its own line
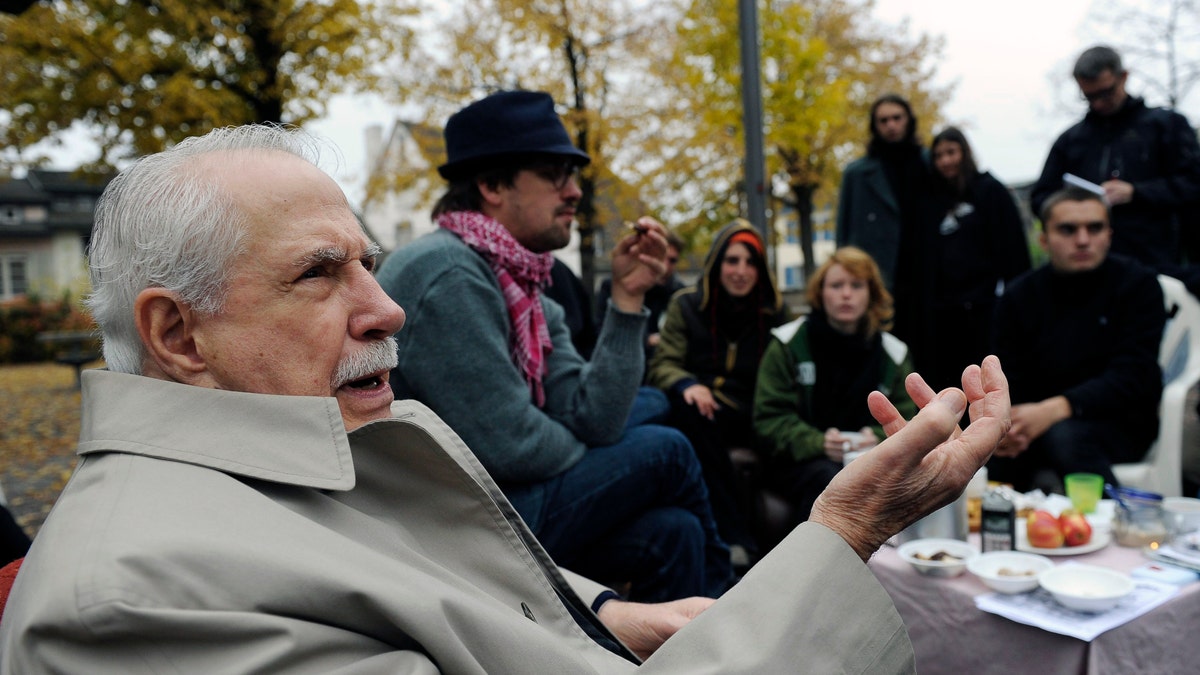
(521, 273)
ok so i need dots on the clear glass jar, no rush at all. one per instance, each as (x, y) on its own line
(1138, 519)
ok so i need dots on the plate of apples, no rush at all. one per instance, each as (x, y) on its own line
(1068, 533)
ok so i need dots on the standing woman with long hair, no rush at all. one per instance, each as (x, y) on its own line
(707, 360)
(978, 247)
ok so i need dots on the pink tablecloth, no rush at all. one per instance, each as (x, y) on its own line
(950, 635)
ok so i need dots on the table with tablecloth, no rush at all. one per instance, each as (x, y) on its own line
(951, 635)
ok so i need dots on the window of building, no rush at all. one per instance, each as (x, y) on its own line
(792, 276)
(14, 279)
(10, 215)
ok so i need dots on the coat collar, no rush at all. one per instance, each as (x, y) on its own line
(296, 440)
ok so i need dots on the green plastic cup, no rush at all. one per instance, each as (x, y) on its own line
(1084, 490)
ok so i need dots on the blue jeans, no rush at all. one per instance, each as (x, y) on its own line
(649, 407)
(635, 511)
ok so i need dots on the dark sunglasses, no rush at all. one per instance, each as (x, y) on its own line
(1104, 93)
(557, 173)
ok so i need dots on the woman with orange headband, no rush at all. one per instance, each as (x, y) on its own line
(712, 338)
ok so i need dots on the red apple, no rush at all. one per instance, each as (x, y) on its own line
(1076, 530)
(1042, 530)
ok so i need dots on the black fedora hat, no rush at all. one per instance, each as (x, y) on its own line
(504, 124)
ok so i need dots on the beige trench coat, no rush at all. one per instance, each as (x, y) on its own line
(210, 531)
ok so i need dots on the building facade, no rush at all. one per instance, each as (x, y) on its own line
(45, 226)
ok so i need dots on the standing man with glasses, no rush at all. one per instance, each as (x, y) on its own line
(491, 355)
(1146, 160)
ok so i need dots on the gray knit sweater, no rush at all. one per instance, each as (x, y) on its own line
(455, 358)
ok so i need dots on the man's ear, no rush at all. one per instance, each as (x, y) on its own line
(1042, 240)
(491, 193)
(165, 324)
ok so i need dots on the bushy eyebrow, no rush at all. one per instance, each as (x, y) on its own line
(336, 255)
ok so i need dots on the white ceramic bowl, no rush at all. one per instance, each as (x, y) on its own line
(1086, 588)
(919, 552)
(1009, 571)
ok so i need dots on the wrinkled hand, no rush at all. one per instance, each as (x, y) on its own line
(638, 261)
(923, 465)
(644, 627)
(1117, 191)
(701, 397)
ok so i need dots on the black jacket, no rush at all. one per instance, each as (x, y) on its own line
(1154, 149)
(1092, 337)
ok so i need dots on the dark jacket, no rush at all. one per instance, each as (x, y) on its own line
(1154, 149)
(656, 301)
(980, 242)
(567, 290)
(869, 213)
(697, 347)
(1092, 337)
(978, 247)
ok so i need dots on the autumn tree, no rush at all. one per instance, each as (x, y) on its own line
(823, 63)
(591, 56)
(139, 75)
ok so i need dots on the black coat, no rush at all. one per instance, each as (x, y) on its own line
(1154, 149)
(978, 246)
(1092, 337)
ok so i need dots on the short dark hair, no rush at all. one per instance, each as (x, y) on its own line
(1069, 194)
(910, 133)
(1095, 60)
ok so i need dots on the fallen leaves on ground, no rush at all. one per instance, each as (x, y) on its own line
(39, 429)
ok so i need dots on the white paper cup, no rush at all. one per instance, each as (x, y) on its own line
(851, 450)
(1182, 515)
(978, 484)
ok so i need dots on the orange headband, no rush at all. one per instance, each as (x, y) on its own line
(748, 238)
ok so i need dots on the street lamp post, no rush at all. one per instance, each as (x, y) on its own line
(755, 164)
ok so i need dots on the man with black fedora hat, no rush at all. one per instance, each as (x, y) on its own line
(611, 501)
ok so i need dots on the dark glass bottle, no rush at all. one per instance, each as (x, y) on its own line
(998, 523)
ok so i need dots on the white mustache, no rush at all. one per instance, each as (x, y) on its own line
(374, 358)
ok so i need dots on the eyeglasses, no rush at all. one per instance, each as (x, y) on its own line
(1070, 229)
(1102, 94)
(557, 173)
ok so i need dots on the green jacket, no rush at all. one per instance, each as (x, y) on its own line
(783, 395)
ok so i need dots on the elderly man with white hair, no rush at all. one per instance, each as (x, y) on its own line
(249, 498)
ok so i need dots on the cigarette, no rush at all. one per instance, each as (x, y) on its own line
(639, 228)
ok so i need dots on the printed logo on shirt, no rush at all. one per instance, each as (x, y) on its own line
(806, 373)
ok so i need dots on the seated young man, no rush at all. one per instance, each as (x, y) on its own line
(1079, 340)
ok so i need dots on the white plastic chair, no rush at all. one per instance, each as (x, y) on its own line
(1161, 470)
